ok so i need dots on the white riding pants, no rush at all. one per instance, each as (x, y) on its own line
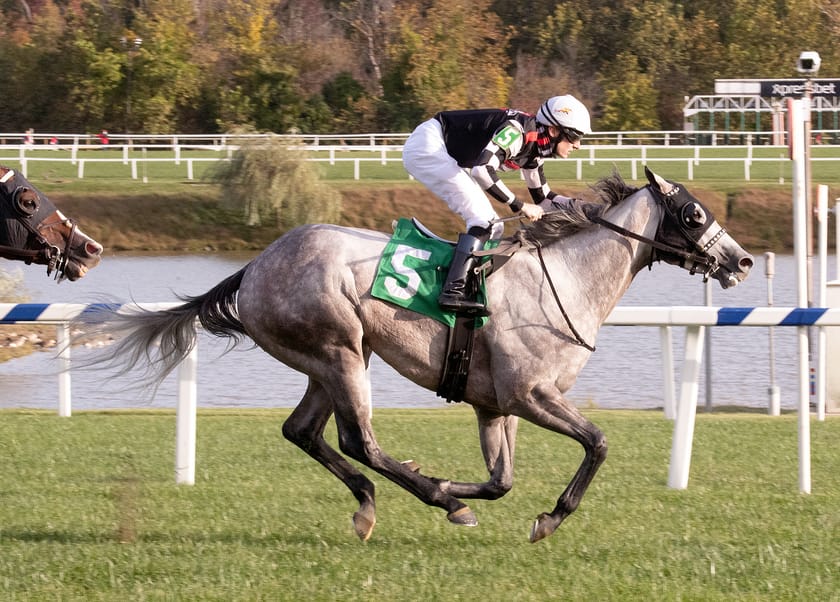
(425, 158)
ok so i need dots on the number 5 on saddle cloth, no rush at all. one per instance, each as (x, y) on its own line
(411, 274)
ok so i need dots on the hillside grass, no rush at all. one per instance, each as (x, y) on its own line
(90, 511)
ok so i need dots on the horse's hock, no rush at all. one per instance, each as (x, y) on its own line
(832, 398)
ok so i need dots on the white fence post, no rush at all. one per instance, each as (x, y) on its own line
(687, 411)
(185, 420)
(63, 344)
(666, 343)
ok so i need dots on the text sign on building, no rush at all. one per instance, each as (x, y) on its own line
(776, 88)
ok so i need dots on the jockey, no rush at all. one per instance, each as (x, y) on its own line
(458, 154)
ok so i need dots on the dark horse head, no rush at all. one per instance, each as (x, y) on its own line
(34, 231)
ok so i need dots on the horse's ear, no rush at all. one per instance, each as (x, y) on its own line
(659, 182)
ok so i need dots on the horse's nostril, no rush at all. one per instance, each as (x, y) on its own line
(746, 263)
(93, 248)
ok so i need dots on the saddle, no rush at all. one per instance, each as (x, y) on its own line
(410, 274)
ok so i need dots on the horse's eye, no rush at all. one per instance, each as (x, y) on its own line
(693, 215)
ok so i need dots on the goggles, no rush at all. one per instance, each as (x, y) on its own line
(570, 134)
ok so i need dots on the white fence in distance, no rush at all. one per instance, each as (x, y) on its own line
(600, 148)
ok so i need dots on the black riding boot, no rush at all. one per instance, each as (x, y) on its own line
(459, 290)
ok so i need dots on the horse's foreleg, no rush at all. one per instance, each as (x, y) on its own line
(554, 413)
(497, 434)
(305, 428)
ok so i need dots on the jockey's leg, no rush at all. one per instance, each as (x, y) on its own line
(459, 290)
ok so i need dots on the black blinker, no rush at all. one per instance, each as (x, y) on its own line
(25, 201)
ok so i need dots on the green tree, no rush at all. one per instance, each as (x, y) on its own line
(164, 74)
(83, 69)
(629, 96)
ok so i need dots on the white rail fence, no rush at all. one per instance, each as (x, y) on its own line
(608, 148)
(683, 410)
(617, 138)
(388, 155)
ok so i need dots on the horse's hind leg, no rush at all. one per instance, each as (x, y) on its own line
(350, 396)
(497, 434)
(305, 428)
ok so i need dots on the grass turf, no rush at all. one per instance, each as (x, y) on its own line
(89, 511)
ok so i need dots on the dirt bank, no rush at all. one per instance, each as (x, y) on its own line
(761, 219)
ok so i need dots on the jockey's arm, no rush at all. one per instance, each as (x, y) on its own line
(534, 176)
(507, 142)
(486, 173)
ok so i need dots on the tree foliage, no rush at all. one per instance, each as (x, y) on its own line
(328, 66)
(266, 181)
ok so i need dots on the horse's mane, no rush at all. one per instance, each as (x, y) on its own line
(578, 214)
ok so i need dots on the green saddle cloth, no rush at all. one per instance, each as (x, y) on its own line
(412, 271)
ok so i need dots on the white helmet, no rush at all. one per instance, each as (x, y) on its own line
(565, 111)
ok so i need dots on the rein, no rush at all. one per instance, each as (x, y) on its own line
(29, 256)
(505, 251)
(579, 339)
(709, 263)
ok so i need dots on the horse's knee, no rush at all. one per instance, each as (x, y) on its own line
(599, 447)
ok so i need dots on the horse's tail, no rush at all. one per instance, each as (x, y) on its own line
(160, 340)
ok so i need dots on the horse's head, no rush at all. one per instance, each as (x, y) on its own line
(34, 231)
(699, 243)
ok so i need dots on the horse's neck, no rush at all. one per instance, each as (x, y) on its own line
(641, 215)
(603, 262)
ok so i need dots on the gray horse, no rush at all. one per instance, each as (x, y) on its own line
(306, 300)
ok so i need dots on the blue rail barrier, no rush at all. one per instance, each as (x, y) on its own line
(693, 318)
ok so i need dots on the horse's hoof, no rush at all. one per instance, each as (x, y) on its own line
(543, 527)
(363, 523)
(463, 516)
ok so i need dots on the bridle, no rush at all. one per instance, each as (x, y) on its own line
(694, 261)
(53, 257)
(47, 253)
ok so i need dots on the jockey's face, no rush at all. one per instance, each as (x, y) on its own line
(564, 146)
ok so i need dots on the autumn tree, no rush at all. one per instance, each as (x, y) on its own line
(331, 66)
(450, 56)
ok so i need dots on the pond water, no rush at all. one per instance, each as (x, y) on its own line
(624, 372)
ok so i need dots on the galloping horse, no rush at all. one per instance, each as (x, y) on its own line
(34, 231)
(306, 300)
